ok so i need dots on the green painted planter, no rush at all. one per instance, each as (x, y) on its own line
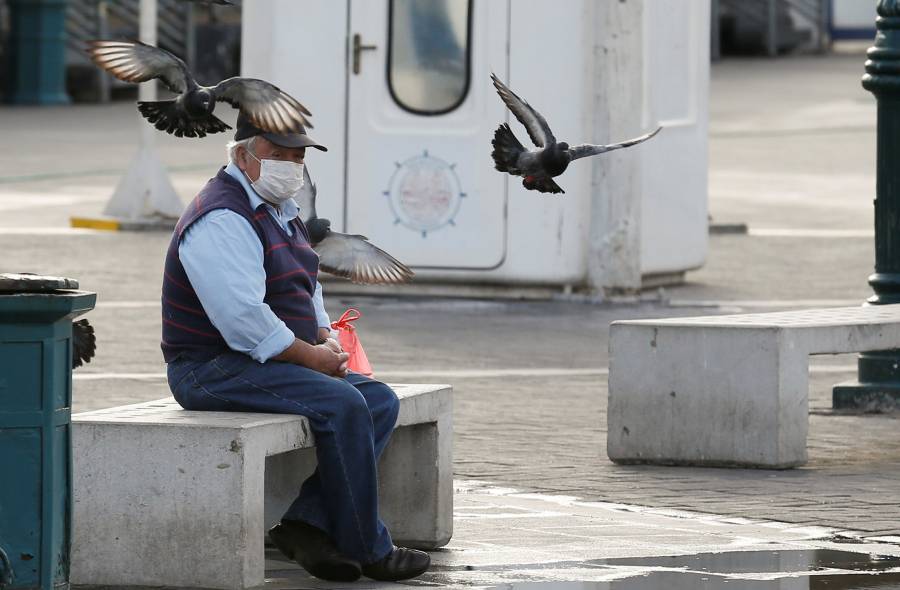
(35, 435)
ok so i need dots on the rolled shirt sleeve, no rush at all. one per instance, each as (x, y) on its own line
(223, 259)
(319, 305)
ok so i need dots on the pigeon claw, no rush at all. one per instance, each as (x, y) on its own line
(543, 184)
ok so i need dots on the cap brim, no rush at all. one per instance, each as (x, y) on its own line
(294, 140)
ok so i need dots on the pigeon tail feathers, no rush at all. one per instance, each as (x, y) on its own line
(166, 115)
(507, 150)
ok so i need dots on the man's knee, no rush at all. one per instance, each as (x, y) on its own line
(383, 399)
(350, 404)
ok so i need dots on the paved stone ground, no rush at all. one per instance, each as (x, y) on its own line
(507, 537)
(792, 155)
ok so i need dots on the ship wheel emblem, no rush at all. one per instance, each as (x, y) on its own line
(424, 193)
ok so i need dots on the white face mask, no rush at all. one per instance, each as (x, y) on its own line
(278, 181)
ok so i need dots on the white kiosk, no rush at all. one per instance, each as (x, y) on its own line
(400, 93)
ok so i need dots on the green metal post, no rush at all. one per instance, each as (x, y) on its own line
(35, 436)
(37, 52)
(878, 387)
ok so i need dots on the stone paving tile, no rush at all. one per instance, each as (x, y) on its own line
(556, 538)
(852, 459)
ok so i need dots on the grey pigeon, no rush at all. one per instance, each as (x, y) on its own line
(84, 343)
(345, 255)
(190, 114)
(538, 167)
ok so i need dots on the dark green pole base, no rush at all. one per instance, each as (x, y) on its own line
(878, 387)
(871, 398)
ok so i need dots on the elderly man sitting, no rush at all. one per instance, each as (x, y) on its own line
(244, 329)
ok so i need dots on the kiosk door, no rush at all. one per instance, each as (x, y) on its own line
(421, 115)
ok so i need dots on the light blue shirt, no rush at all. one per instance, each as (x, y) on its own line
(223, 259)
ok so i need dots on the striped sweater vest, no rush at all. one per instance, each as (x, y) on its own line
(291, 267)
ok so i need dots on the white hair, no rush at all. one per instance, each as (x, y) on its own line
(232, 146)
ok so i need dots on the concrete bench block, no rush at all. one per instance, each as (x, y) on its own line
(168, 497)
(727, 390)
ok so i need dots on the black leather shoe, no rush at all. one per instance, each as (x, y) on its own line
(400, 564)
(314, 550)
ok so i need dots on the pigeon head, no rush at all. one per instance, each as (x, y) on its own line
(562, 145)
(318, 228)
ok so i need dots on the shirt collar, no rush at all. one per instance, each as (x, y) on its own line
(289, 208)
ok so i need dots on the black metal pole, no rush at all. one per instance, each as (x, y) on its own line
(878, 387)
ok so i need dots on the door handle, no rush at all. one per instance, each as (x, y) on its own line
(358, 48)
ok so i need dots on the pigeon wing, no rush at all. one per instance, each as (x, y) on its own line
(267, 106)
(355, 258)
(306, 198)
(84, 343)
(534, 122)
(586, 149)
(133, 61)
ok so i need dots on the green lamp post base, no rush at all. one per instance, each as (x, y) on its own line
(877, 396)
(877, 388)
(871, 398)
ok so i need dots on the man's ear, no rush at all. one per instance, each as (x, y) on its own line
(240, 158)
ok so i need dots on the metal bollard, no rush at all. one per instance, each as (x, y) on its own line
(35, 428)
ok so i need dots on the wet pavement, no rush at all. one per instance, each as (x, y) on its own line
(513, 540)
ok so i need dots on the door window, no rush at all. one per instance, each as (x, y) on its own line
(428, 54)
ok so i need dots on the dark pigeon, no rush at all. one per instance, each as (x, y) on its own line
(350, 256)
(84, 343)
(538, 167)
(190, 114)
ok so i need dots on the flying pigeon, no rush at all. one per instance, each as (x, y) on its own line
(190, 114)
(345, 255)
(84, 343)
(538, 167)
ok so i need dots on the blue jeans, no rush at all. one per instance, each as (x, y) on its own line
(352, 420)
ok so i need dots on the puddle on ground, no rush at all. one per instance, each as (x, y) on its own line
(821, 569)
(739, 570)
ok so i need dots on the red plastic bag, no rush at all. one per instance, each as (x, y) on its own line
(349, 341)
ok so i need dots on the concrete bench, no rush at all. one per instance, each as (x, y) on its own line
(168, 497)
(727, 390)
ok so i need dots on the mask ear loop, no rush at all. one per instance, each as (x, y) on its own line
(247, 148)
(252, 155)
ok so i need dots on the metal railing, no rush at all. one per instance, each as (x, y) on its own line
(119, 19)
(783, 24)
